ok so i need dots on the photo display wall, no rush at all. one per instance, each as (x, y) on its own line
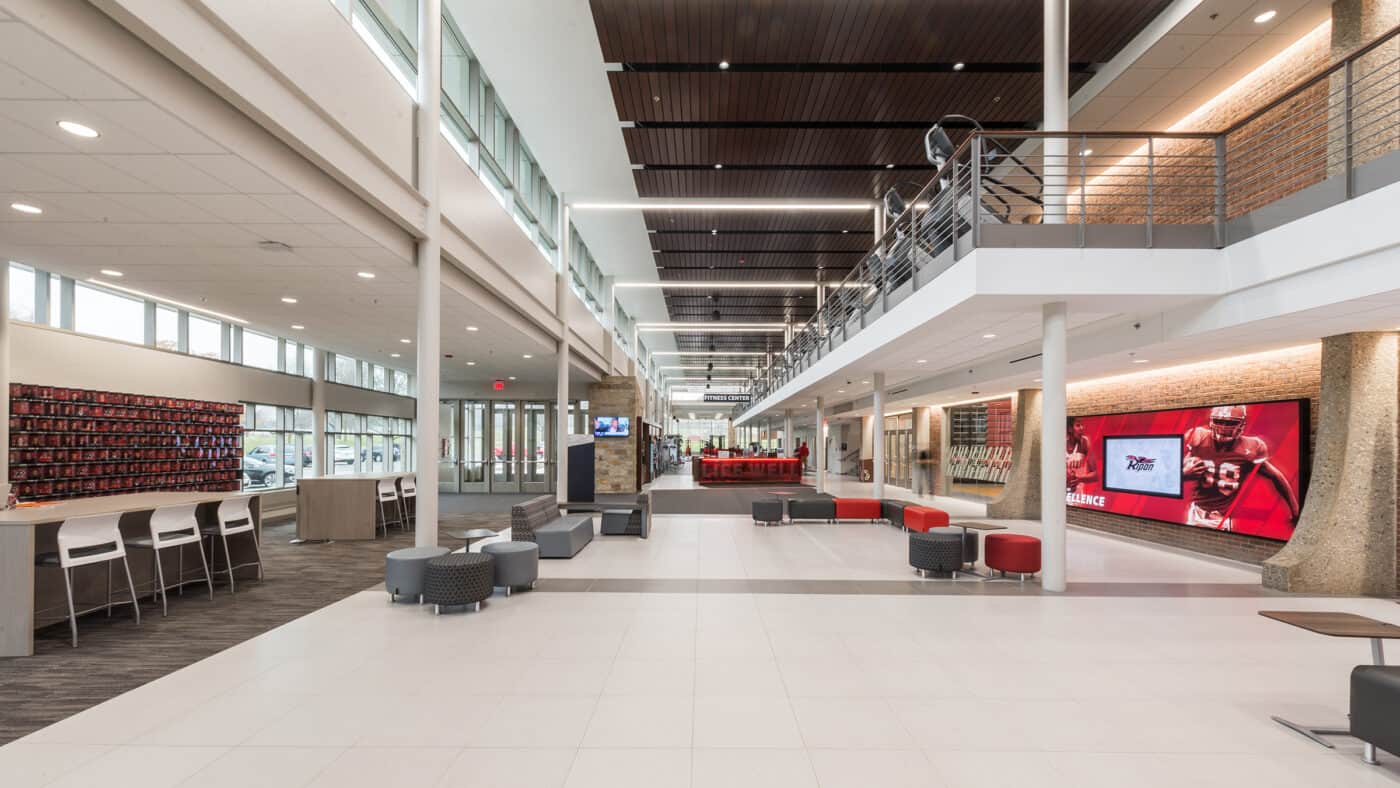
(76, 443)
(1239, 467)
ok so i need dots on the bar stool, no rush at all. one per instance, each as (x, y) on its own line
(389, 511)
(91, 540)
(408, 486)
(174, 526)
(234, 518)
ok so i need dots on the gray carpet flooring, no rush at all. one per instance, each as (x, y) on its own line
(719, 500)
(115, 655)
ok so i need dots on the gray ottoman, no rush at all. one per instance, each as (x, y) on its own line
(517, 563)
(616, 522)
(459, 579)
(404, 571)
(939, 551)
(768, 511)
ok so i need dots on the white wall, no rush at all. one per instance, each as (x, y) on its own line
(53, 357)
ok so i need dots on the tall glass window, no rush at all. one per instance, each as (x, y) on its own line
(259, 350)
(206, 337)
(345, 370)
(22, 293)
(167, 328)
(276, 445)
(106, 314)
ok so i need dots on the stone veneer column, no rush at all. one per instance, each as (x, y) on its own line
(615, 459)
(1020, 500)
(1345, 541)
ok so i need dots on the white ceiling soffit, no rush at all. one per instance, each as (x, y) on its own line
(556, 90)
(180, 214)
(1192, 52)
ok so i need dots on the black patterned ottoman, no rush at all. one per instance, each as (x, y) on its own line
(459, 579)
(939, 551)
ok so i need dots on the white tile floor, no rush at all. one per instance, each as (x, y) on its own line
(735, 690)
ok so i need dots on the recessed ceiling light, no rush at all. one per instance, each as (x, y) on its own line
(889, 166)
(1037, 380)
(111, 272)
(297, 326)
(923, 361)
(512, 377)
(1265, 17)
(959, 66)
(723, 65)
(1087, 152)
(473, 328)
(866, 382)
(365, 275)
(527, 355)
(989, 336)
(406, 341)
(471, 363)
(24, 207)
(719, 166)
(843, 232)
(78, 129)
(1139, 361)
(288, 300)
(393, 355)
(840, 391)
(714, 232)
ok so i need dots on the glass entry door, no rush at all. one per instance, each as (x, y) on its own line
(476, 464)
(505, 456)
(447, 448)
(899, 450)
(538, 460)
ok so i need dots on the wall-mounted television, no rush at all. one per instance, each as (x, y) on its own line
(612, 426)
(1237, 467)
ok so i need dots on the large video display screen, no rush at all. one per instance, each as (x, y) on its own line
(1237, 467)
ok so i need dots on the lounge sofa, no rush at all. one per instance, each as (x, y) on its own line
(822, 507)
(538, 520)
(892, 511)
(1375, 708)
(859, 509)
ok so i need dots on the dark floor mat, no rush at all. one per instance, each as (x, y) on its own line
(720, 500)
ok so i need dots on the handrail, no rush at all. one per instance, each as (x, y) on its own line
(1184, 188)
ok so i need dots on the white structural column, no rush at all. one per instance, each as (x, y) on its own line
(1056, 109)
(877, 437)
(319, 467)
(5, 384)
(1052, 440)
(819, 445)
(561, 392)
(789, 445)
(428, 141)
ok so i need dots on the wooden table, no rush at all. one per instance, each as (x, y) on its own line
(980, 525)
(340, 507)
(1337, 625)
(26, 531)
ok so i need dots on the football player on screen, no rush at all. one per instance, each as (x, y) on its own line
(1079, 463)
(1222, 461)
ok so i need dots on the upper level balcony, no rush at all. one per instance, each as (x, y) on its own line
(1331, 138)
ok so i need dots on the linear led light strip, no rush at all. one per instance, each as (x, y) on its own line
(699, 326)
(708, 353)
(164, 300)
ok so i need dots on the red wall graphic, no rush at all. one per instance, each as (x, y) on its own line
(1242, 466)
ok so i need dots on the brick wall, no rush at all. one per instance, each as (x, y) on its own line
(1287, 374)
(615, 459)
(1290, 139)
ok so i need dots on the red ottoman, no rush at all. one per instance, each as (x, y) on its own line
(922, 518)
(858, 509)
(1013, 553)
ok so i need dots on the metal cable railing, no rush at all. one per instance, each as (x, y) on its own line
(1328, 138)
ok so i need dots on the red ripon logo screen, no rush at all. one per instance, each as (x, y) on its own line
(1243, 467)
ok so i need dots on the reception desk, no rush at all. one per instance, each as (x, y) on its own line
(340, 507)
(748, 470)
(29, 600)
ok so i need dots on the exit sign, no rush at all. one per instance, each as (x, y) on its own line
(498, 385)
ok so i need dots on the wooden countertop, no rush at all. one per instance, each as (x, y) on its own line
(350, 477)
(110, 504)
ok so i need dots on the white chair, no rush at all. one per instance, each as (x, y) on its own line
(92, 540)
(408, 486)
(174, 526)
(234, 518)
(388, 497)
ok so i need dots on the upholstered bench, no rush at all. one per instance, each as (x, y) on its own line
(892, 511)
(812, 508)
(858, 509)
(922, 518)
(1375, 708)
(538, 520)
(1013, 553)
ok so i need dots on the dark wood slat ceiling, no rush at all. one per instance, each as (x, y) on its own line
(840, 88)
(843, 31)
